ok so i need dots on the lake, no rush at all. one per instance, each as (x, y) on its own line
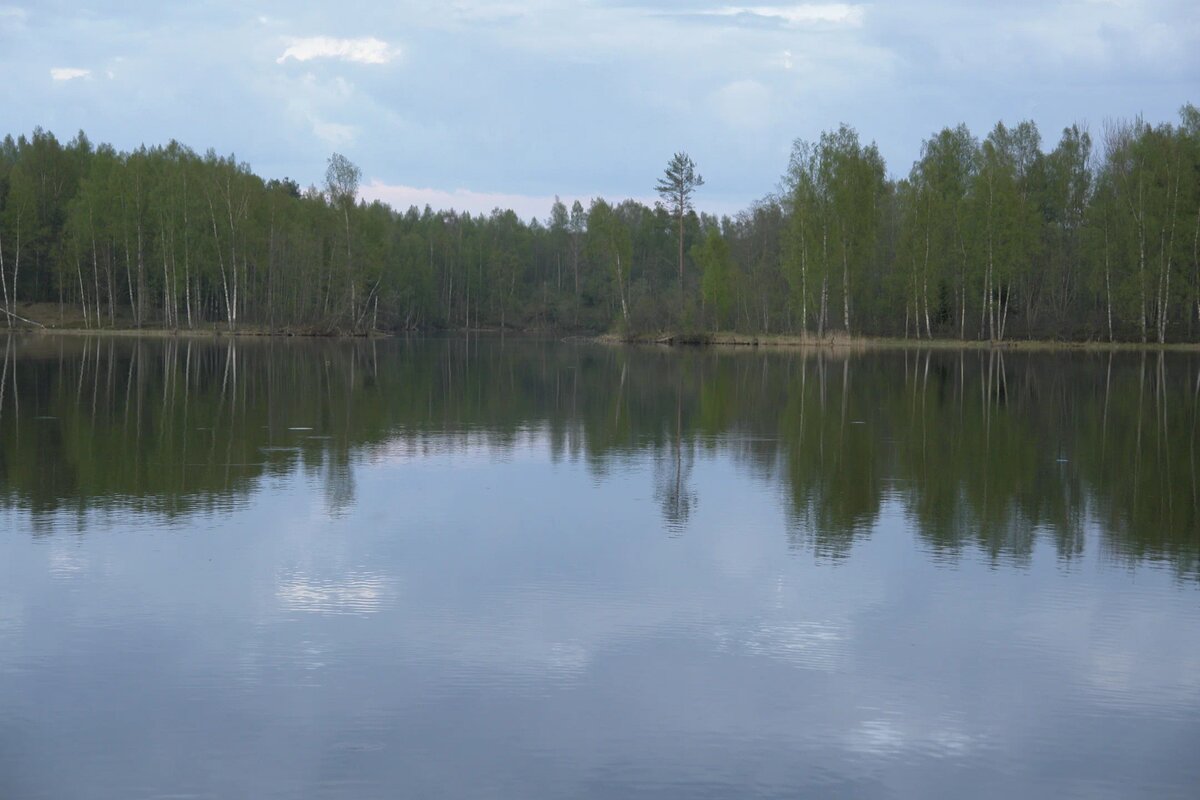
(513, 568)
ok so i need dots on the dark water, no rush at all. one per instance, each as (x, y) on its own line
(451, 568)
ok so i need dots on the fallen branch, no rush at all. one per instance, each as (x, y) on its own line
(18, 316)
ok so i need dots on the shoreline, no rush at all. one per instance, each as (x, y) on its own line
(190, 333)
(861, 343)
(700, 341)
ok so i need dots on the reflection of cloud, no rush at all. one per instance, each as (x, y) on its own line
(466, 449)
(65, 563)
(885, 737)
(876, 737)
(354, 593)
(1114, 651)
(1122, 671)
(817, 645)
(537, 633)
(12, 619)
(522, 638)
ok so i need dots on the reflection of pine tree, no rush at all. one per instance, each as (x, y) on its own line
(672, 489)
(672, 475)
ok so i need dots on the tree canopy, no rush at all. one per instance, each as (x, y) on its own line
(989, 237)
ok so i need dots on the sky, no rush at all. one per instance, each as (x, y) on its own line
(474, 105)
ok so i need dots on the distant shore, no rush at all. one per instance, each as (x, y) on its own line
(722, 340)
(842, 341)
(194, 333)
(45, 319)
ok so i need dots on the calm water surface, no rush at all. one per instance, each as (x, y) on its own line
(517, 569)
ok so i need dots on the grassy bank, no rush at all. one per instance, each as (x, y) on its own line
(47, 318)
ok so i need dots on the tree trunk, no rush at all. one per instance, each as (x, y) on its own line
(233, 308)
(95, 269)
(1108, 282)
(845, 286)
(681, 260)
(166, 275)
(112, 287)
(129, 269)
(824, 307)
(575, 265)
(187, 273)
(4, 284)
(1196, 262)
(350, 265)
(621, 288)
(16, 269)
(229, 313)
(1167, 260)
(82, 293)
(803, 285)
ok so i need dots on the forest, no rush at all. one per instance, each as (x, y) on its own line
(993, 238)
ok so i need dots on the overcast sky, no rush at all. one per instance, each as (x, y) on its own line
(475, 104)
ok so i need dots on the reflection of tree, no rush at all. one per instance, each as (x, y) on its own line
(1147, 499)
(4, 373)
(673, 472)
(978, 449)
(834, 482)
(339, 488)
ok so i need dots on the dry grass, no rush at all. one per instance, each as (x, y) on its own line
(48, 318)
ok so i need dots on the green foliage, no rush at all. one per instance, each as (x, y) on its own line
(609, 242)
(836, 187)
(676, 188)
(716, 280)
(992, 239)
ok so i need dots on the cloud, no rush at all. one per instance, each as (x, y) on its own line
(527, 206)
(69, 73)
(731, 81)
(491, 12)
(743, 105)
(367, 50)
(804, 15)
(401, 197)
(331, 108)
(334, 133)
(1090, 33)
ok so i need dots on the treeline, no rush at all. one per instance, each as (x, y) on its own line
(991, 239)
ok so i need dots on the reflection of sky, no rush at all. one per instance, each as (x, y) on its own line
(468, 627)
